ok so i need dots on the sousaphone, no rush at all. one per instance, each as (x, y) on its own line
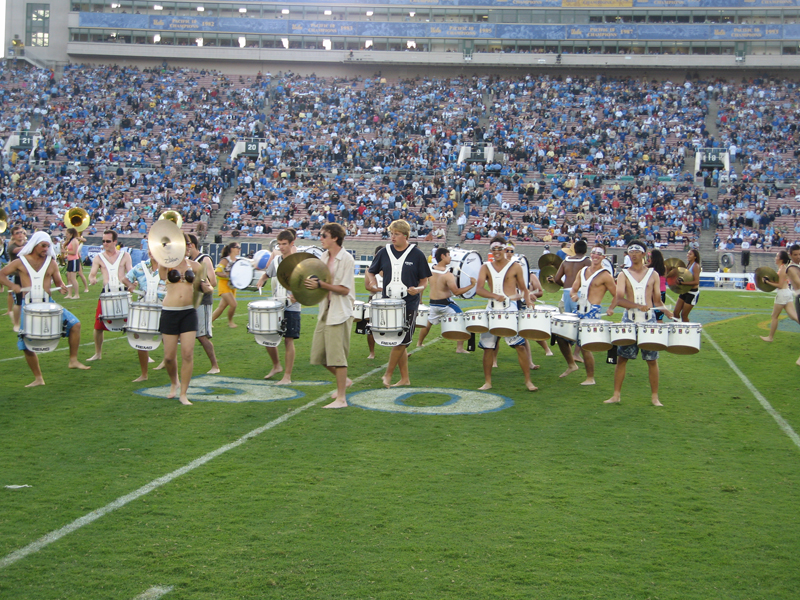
(76, 218)
(3, 220)
(172, 215)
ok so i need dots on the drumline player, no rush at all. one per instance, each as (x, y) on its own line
(113, 264)
(145, 275)
(291, 311)
(784, 299)
(537, 291)
(226, 293)
(206, 307)
(70, 248)
(638, 292)
(18, 240)
(793, 274)
(507, 286)
(374, 296)
(405, 275)
(686, 302)
(330, 345)
(566, 276)
(36, 268)
(443, 288)
(588, 291)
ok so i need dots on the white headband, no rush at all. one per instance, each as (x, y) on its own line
(636, 247)
(36, 239)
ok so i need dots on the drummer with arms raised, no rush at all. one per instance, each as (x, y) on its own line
(114, 265)
(36, 269)
(588, 291)
(506, 286)
(405, 275)
(443, 288)
(638, 292)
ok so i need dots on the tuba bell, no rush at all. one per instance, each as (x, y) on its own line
(77, 218)
(3, 220)
(172, 215)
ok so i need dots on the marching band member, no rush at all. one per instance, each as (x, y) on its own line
(145, 275)
(793, 274)
(113, 264)
(638, 292)
(507, 285)
(588, 290)
(291, 312)
(405, 274)
(784, 299)
(226, 293)
(19, 238)
(36, 268)
(70, 248)
(686, 302)
(206, 308)
(565, 276)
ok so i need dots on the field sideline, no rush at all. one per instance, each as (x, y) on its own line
(259, 493)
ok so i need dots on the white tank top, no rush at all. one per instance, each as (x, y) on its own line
(37, 293)
(114, 284)
(639, 297)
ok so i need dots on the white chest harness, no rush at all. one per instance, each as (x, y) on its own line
(114, 284)
(639, 297)
(396, 288)
(37, 293)
(498, 277)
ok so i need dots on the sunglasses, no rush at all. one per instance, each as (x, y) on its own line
(108, 241)
(509, 252)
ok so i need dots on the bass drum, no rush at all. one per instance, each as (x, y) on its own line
(465, 264)
(242, 274)
(526, 268)
(315, 250)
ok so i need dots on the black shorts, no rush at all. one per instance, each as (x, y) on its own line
(73, 266)
(291, 323)
(176, 322)
(18, 298)
(691, 297)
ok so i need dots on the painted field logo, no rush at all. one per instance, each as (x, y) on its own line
(215, 388)
(444, 401)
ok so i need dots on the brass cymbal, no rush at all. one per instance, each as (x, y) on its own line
(544, 273)
(197, 292)
(288, 264)
(672, 280)
(310, 267)
(769, 273)
(166, 243)
(672, 263)
(546, 260)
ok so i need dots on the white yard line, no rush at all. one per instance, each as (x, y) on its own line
(785, 427)
(56, 535)
(154, 593)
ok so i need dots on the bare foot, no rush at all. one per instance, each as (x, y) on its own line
(531, 387)
(485, 386)
(185, 401)
(232, 325)
(798, 362)
(36, 382)
(275, 370)
(612, 400)
(419, 345)
(213, 371)
(570, 369)
(173, 390)
(140, 378)
(336, 404)
(16, 328)
(86, 291)
(401, 383)
(462, 351)
(334, 393)
(589, 381)
(150, 359)
(387, 380)
(494, 365)
(76, 298)
(160, 366)
(534, 367)
(578, 359)
(371, 357)
(286, 380)
(765, 338)
(656, 402)
(74, 364)
(94, 357)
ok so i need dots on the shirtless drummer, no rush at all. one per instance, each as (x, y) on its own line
(793, 275)
(565, 276)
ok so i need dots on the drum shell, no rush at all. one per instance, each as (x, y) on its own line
(144, 317)
(594, 335)
(454, 327)
(534, 324)
(565, 326)
(41, 326)
(684, 338)
(359, 310)
(422, 315)
(114, 305)
(265, 317)
(387, 321)
(653, 336)
(241, 275)
(502, 323)
(622, 334)
(477, 321)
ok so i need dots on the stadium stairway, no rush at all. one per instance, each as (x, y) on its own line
(225, 204)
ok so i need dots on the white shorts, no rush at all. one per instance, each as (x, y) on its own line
(204, 320)
(437, 312)
(784, 297)
(489, 341)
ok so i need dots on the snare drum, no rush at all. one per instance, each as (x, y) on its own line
(315, 250)
(594, 335)
(477, 321)
(622, 334)
(565, 326)
(359, 310)
(454, 327)
(545, 308)
(114, 308)
(41, 326)
(142, 327)
(684, 338)
(465, 264)
(502, 323)
(422, 315)
(388, 321)
(264, 321)
(653, 336)
(534, 324)
(241, 276)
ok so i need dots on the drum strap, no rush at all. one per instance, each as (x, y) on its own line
(498, 277)
(583, 292)
(37, 293)
(153, 281)
(114, 284)
(639, 296)
(396, 288)
(278, 291)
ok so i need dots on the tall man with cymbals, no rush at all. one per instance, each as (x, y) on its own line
(638, 292)
(507, 285)
(206, 308)
(443, 288)
(405, 274)
(588, 291)
(114, 265)
(565, 276)
(793, 274)
(331, 343)
(36, 269)
(291, 311)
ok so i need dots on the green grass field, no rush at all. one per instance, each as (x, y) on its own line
(555, 496)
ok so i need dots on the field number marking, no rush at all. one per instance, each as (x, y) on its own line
(154, 593)
(454, 402)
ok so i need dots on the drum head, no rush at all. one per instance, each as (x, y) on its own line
(315, 250)
(241, 274)
(466, 266)
(526, 268)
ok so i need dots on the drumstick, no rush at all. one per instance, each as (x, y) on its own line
(27, 289)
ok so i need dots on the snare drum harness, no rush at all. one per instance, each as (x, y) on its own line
(583, 292)
(498, 277)
(37, 293)
(153, 281)
(114, 284)
(639, 296)
(396, 289)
